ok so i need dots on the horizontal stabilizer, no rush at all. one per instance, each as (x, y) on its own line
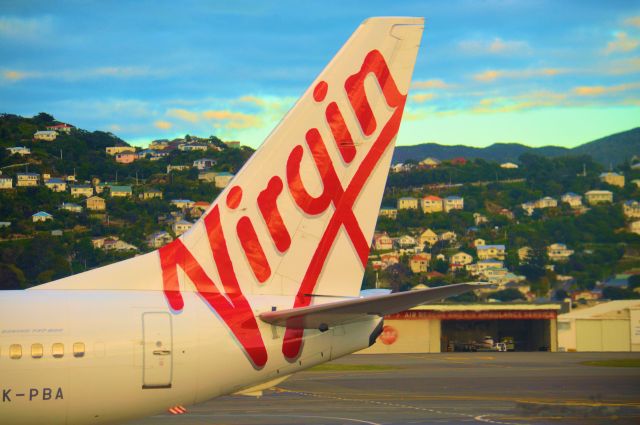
(350, 310)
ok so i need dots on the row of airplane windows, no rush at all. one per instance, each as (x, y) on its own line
(37, 350)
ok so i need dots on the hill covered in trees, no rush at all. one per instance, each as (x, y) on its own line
(614, 149)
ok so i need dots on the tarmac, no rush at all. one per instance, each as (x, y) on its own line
(446, 388)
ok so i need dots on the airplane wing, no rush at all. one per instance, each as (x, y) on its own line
(340, 312)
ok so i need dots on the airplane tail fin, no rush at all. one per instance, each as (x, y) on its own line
(299, 217)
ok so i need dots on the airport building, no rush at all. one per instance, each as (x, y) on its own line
(610, 326)
(436, 328)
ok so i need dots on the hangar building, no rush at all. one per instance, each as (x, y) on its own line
(610, 326)
(436, 328)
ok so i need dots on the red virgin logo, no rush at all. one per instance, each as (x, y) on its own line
(232, 307)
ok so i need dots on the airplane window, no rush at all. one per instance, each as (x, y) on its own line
(15, 351)
(78, 349)
(37, 351)
(57, 350)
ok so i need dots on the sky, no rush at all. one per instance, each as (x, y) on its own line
(542, 72)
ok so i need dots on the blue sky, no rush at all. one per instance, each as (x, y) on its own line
(534, 72)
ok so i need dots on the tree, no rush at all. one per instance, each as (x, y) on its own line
(510, 294)
(560, 295)
(613, 293)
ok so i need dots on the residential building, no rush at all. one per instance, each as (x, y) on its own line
(419, 263)
(48, 136)
(508, 165)
(199, 208)
(96, 203)
(389, 259)
(41, 216)
(151, 194)
(6, 182)
(558, 252)
(594, 197)
(56, 184)
(382, 242)
(126, 157)
(101, 186)
(634, 227)
(19, 150)
(60, 128)
(479, 242)
(546, 202)
(222, 179)
(614, 179)
(391, 213)
(121, 191)
(400, 167)
(182, 203)
(115, 244)
(159, 144)
(407, 241)
(114, 150)
(189, 147)
(428, 237)
(528, 207)
(631, 209)
(431, 204)
(447, 236)
(81, 190)
(159, 239)
(573, 199)
(460, 259)
(407, 203)
(27, 179)
(181, 226)
(204, 163)
(171, 168)
(486, 252)
(453, 203)
(69, 206)
(430, 162)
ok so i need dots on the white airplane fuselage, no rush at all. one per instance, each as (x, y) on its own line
(134, 357)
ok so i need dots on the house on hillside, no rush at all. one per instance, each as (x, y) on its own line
(121, 191)
(181, 226)
(19, 150)
(151, 194)
(595, 197)
(407, 241)
(486, 252)
(182, 203)
(614, 179)
(431, 204)
(159, 239)
(459, 260)
(27, 179)
(71, 207)
(56, 184)
(634, 227)
(407, 203)
(430, 162)
(41, 216)
(382, 242)
(96, 203)
(78, 190)
(204, 163)
(419, 263)
(192, 147)
(453, 203)
(546, 202)
(60, 128)
(391, 213)
(47, 136)
(573, 199)
(428, 237)
(558, 252)
(126, 157)
(6, 182)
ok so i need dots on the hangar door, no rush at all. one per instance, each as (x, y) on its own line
(602, 335)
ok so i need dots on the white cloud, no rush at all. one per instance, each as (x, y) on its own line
(497, 46)
(31, 29)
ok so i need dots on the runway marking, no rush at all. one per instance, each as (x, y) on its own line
(262, 415)
(481, 418)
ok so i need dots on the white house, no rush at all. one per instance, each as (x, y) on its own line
(508, 165)
(453, 203)
(204, 163)
(221, 180)
(181, 226)
(48, 135)
(6, 183)
(159, 239)
(558, 252)
(27, 179)
(573, 199)
(19, 150)
(56, 184)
